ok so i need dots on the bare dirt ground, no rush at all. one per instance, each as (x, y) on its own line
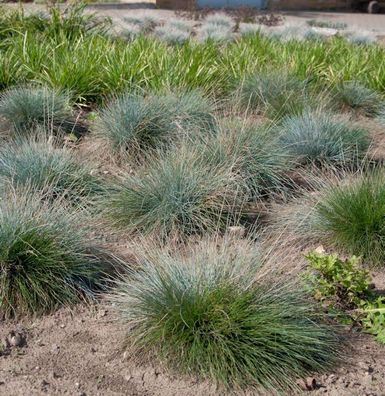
(80, 352)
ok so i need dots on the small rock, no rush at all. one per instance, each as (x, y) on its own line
(77, 385)
(320, 249)
(62, 326)
(310, 383)
(15, 339)
(102, 313)
(55, 348)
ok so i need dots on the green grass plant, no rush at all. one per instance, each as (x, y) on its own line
(209, 312)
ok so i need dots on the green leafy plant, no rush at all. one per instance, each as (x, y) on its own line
(345, 287)
(48, 257)
(209, 312)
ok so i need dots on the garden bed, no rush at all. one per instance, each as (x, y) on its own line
(183, 204)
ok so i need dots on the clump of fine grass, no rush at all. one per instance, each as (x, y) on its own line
(255, 154)
(131, 31)
(180, 24)
(146, 23)
(132, 122)
(215, 33)
(26, 108)
(357, 96)
(319, 137)
(327, 24)
(47, 257)
(351, 216)
(210, 312)
(219, 20)
(247, 29)
(40, 164)
(175, 196)
(172, 35)
(275, 94)
(361, 38)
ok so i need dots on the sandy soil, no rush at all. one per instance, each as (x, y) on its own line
(79, 352)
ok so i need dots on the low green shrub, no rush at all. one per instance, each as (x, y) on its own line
(345, 287)
(210, 313)
(133, 122)
(176, 195)
(26, 108)
(274, 94)
(40, 165)
(351, 216)
(320, 137)
(356, 96)
(47, 257)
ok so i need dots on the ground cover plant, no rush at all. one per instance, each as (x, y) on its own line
(41, 165)
(345, 287)
(208, 313)
(46, 256)
(26, 108)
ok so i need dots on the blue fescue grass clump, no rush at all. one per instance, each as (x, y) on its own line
(180, 24)
(255, 154)
(145, 23)
(134, 122)
(320, 137)
(275, 94)
(249, 29)
(355, 95)
(171, 35)
(131, 31)
(175, 196)
(47, 256)
(351, 216)
(361, 38)
(211, 313)
(327, 24)
(39, 164)
(219, 20)
(214, 33)
(26, 108)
